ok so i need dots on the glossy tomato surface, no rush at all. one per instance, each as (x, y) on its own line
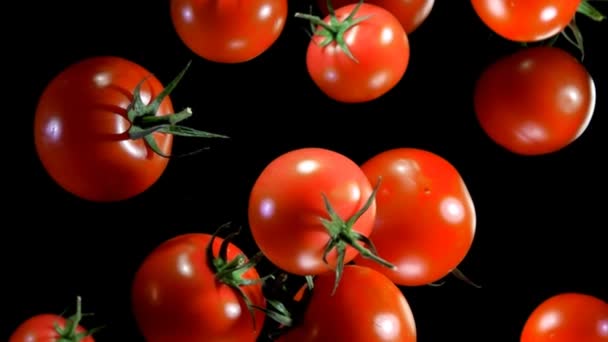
(41, 328)
(176, 297)
(381, 52)
(410, 13)
(535, 101)
(366, 307)
(568, 317)
(286, 207)
(229, 31)
(425, 216)
(526, 20)
(81, 130)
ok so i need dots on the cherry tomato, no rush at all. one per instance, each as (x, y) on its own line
(53, 328)
(351, 314)
(411, 13)
(178, 296)
(535, 101)
(228, 31)
(425, 217)
(369, 63)
(568, 317)
(286, 209)
(526, 20)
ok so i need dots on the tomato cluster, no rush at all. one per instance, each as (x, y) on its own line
(405, 217)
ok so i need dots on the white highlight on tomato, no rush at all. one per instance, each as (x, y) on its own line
(591, 110)
(602, 327)
(452, 210)
(387, 36)
(237, 44)
(307, 166)
(570, 99)
(184, 266)
(530, 132)
(232, 310)
(497, 7)
(387, 326)
(379, 79)
(267, 208)
(307, 261)
(53, 130)
(548, 13)
(526, 65)
(355, 192)
(351, 35)
(411, 266)
(549, 321)
(187, 14)
(102, 79)
(278, 25)
(265, 12)
(330, 75)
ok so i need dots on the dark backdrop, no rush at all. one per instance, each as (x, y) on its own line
(540, 220)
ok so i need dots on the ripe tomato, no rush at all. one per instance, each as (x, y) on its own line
(359, 57)
(350, 315)
(411, 13)
(526, 20)
(89, 123)
(535, 101)
(568, 317)
(179, 293)
(425, 217)
(290, 222)
(53, 328)
(228, 31)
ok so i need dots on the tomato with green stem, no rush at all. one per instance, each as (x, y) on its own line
(411, 13)
(536, 101)
(198, 287)
(530, 21)
(54, 328)
(104, 128)
(367, 307)
(232, 31)
(358, 53)
(311, 211)
(425, 216)
(567, 317)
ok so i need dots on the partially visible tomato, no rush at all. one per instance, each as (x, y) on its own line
(180, 294)
(526, 20)
(289, 220)
(229, 31)
(568, 317)
(425, 217)
(535, 101)
(86, 139)
(53, 328)
(411, 13)
(359, 57)
(367, 307)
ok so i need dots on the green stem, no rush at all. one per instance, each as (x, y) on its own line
(589, 11)
(69, 333)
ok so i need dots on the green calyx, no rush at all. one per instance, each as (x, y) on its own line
(145, 122)
(231, 273)
(342, 235)
(69, 333)
(335, 29)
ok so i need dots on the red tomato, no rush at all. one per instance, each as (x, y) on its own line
(411, 13)
(535, 101)
(177, 296)
(425, 217)
(526, 20)
(371, 60)
(286, 209)
(53, 328)
(568, 317)
(228, 31)
(350, 315)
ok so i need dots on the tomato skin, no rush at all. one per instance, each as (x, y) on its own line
(535, 101)
(380, 46)
(229, 31)
(80, 130)
(176, 297)
(350, 315)
(42, 328)
(425, 217)
(568, 317)
(526, 20)
(286, 205)
(411, 14)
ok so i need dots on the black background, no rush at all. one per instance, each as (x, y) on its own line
(540, 219)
